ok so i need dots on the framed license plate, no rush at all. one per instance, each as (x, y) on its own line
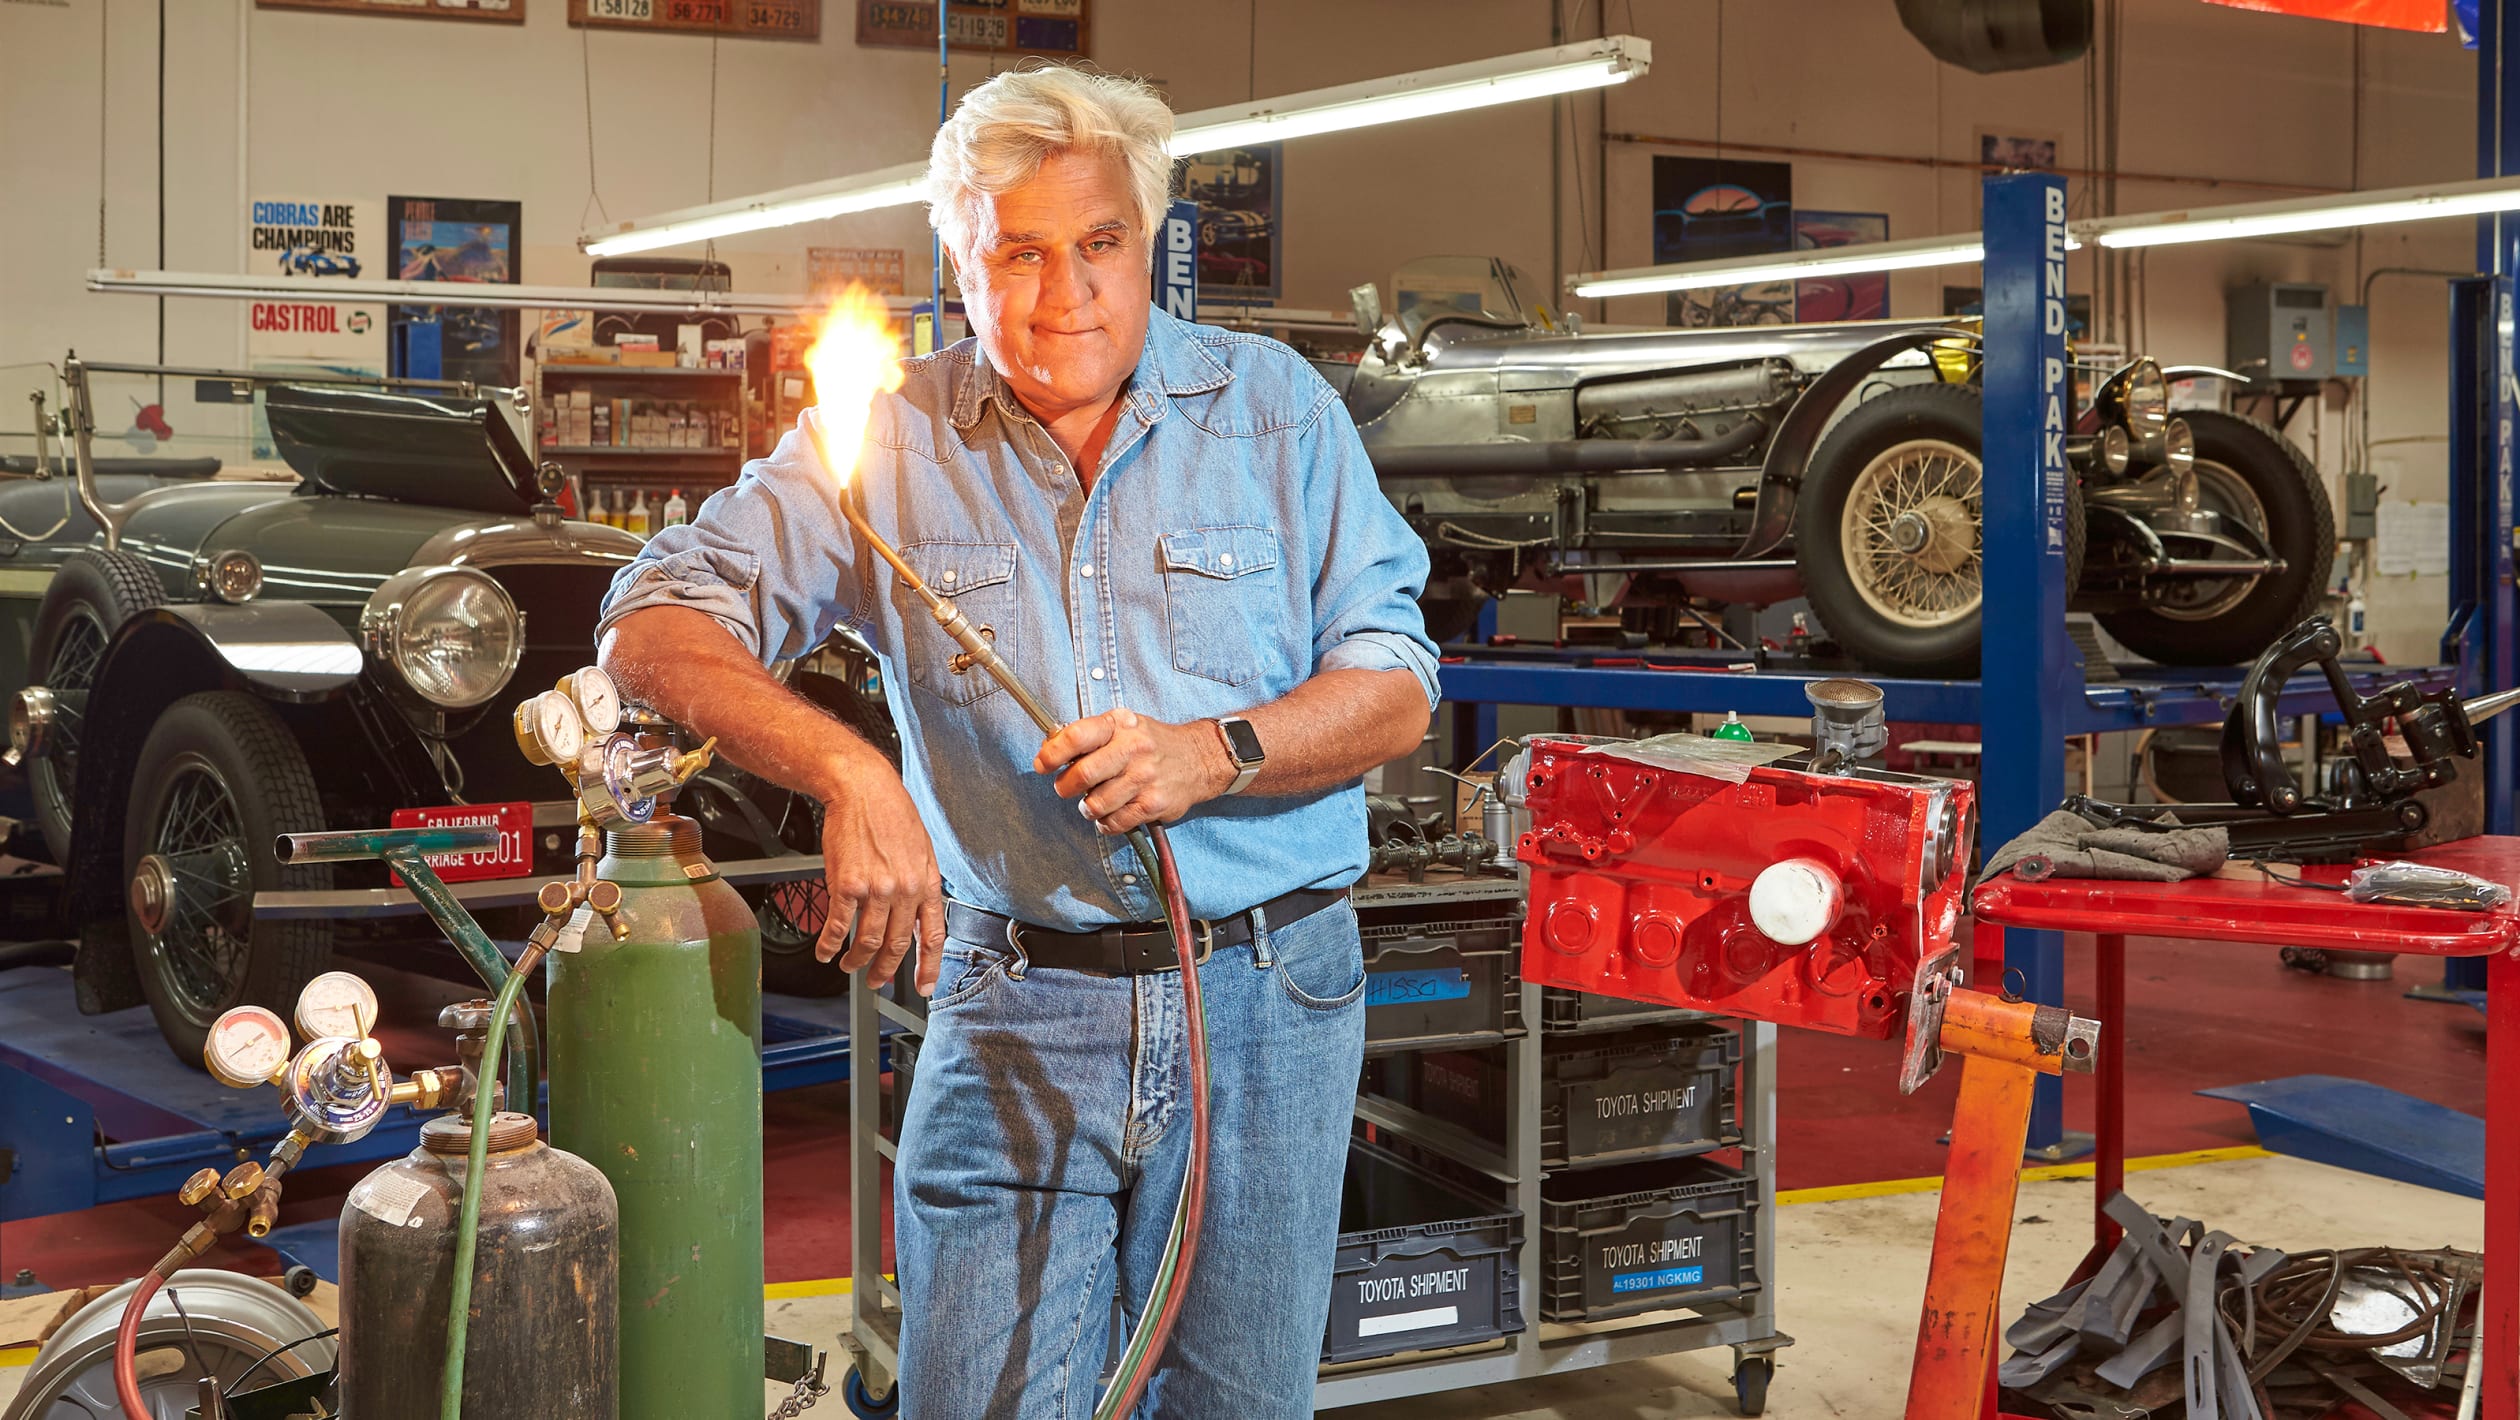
(513, 858)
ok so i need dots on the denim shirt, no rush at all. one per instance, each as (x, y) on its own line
(1235, 542)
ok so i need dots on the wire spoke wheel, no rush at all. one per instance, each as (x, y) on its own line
(194, 891)
(1912, 533)
(2219, 489)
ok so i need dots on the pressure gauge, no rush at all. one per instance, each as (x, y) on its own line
(596, 695)
(336, 1004)
(246, 1047)
(550, 729)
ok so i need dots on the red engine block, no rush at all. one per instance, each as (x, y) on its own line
(1641, 880)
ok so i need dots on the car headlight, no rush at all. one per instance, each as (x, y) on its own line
(451, 633)
(2146, 402)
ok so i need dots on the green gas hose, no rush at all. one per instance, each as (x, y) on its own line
(476, 1160)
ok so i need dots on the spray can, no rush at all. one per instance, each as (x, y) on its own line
(2354, 620)
(656, 1080)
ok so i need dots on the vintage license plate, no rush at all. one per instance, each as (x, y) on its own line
(513, 858)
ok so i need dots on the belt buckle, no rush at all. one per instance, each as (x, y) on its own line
(1206, 946)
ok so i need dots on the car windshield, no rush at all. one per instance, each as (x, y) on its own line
(1435, 286)
(137, 416)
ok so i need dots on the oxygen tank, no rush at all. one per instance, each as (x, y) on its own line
(545, 1339)
(655, 1048)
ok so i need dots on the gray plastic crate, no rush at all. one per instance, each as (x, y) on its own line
(1564, 1010)
(1422, 1264)
(1655, 1092)
(1646, 1237)
(1441, 972)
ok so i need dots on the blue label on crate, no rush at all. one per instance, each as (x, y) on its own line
(1656, 1281)
(1396, 988)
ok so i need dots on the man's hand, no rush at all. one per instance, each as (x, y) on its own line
(881, 869)
(1124, 769)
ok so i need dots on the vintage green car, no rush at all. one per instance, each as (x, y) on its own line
(202, 661)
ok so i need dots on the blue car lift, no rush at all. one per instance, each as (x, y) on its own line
(2030, 700)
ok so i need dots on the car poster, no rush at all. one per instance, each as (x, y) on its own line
(1052, 27)
(1863, 295)
(1706, 209)
(1237, 193)
(315, 239)
(2424, 16)
(454, 239)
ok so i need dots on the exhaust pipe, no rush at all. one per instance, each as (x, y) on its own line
(1564, 455)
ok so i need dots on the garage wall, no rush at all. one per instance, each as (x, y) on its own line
(347, 106)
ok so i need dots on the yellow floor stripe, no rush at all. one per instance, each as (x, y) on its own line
(1890, 1187)
(817, 1287)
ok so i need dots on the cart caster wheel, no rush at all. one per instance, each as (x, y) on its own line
(300, 1280)
(1750, 1384)
(866, 1407)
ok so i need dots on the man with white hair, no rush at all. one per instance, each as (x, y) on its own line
(1176, 539)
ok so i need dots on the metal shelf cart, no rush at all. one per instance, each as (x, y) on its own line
(1748, 1326)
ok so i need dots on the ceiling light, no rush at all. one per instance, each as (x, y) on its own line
(335, 291)
(2305, 214)
(1961, 250)
(1511, 78)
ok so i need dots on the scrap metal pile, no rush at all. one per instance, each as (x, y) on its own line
(2182, 1321)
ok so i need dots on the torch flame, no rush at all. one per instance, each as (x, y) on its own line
(856, 356)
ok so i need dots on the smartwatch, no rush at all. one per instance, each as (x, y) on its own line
(1242, 745)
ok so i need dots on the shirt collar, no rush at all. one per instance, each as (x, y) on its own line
(1171, 362)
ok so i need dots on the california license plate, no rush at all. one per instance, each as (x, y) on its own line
(513, 858)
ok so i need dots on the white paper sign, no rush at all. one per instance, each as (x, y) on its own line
(2412, 538)
(315, 239)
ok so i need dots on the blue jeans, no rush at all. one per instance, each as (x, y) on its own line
(1042, 1153)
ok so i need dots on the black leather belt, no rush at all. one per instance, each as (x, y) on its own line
(1130, 947)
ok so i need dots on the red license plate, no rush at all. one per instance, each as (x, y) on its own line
(513, 858)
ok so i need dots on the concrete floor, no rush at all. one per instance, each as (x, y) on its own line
(1851, 1277)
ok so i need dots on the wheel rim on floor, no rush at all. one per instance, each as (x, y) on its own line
(1910, 533)
(192, 894)
(2218, 490)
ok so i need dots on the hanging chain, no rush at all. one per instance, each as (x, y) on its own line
(810, 1387)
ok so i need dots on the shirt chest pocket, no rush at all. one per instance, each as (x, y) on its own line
(1225, 598)
(979, 578)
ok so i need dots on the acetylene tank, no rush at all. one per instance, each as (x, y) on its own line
(543, 1339)
(655, 1047)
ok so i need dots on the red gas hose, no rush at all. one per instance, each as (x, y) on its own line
(127, 1347)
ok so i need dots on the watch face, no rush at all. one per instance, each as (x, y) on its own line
(1245, 741)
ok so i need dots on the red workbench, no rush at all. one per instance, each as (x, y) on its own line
(2257, 911)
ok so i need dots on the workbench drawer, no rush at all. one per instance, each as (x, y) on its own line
(1646, 1237)
(1422, 1263)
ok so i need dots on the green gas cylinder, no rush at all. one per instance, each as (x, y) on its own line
(1732, 728)
(655, 1044)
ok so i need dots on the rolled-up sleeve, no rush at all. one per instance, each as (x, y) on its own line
(1365, 609)
(769, 558)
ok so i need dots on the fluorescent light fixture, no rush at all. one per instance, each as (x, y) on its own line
(328, 290)
(1512, 78)
(1456, 88)
(2304, 214)
(1962, 250)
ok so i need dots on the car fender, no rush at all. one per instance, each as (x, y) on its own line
(279, 650)
(1789, 451)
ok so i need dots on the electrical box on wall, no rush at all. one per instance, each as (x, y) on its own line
(2353, 340)
(2279, 331)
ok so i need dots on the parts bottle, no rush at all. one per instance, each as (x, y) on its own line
(677, 512)
(637, 518)
(596, 512)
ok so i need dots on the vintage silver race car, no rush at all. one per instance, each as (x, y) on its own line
(1833, 462)
(200, 661)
